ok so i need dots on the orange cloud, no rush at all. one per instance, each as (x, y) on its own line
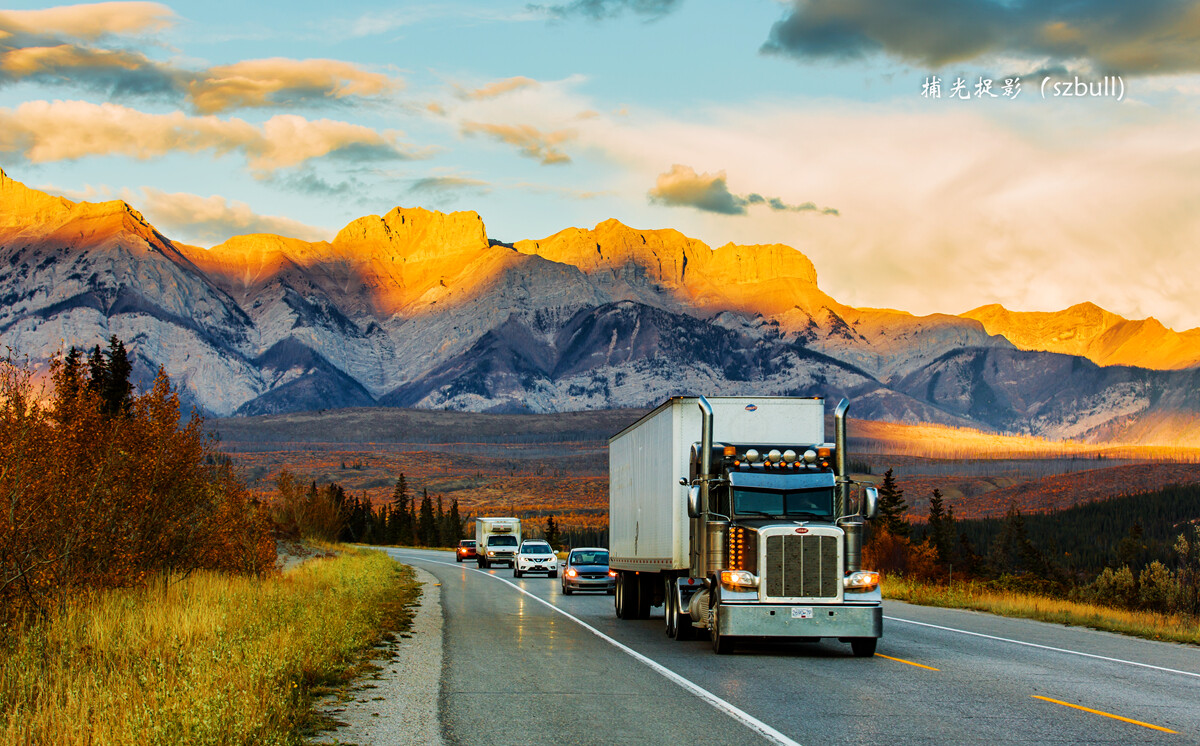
(529, 141)
(278, 82)
(501, 87)
(214, 219)
(43, 131)
(89, 21)
(31, 47)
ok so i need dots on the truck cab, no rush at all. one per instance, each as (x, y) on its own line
(752, 532)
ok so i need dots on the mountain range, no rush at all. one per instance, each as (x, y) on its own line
(421, 309)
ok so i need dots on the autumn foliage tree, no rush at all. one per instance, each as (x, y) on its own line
(101, 488)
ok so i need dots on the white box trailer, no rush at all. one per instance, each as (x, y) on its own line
(647, 506)
(497, 540)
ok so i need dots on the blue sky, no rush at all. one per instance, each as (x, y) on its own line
(763, 121)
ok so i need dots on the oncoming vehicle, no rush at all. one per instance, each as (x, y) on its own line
(535, 556)
(466, 550)
(496, 540)
(586, 569)
(500, 548)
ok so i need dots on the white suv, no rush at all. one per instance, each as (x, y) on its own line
(535, 556)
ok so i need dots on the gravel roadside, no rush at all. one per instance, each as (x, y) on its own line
(399, 704)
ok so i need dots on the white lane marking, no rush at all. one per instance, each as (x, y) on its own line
(1044, 647)
(745, 718)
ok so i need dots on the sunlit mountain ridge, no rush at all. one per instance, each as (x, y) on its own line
(422, 308)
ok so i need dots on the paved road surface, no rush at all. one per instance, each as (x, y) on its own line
(517, 671)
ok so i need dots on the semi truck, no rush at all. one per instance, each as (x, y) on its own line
(739, 516)
(496, 540)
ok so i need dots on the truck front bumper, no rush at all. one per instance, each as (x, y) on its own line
(800, 620)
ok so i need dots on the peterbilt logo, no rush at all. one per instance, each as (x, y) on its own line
(802, 530)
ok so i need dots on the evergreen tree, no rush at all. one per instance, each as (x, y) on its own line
(455, 522)
(427, 533)
(941, 528)
(97, 371)
(1014, 552)
(116, 390)
(443, 530)
(892, 506)
(69, 381)
(401, 531)
(552, 535)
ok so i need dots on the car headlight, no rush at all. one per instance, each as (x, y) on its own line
(612, 573)
(571, 572)
(739, 578)
(861, 581)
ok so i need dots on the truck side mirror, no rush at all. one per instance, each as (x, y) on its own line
(870, 502)
(693, 501)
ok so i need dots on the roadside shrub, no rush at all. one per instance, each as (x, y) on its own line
(94, 495)
(1156, 588)
(1115, 588)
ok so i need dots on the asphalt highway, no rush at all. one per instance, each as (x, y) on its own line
(524, 664)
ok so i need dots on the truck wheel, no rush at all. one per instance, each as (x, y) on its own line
(670, 613)
(864, 647)
(645, 595)
(626, 598)
(482, 563)
(721, 644)
(680, 627)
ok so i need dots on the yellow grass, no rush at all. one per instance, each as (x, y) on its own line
(945, 441)
(971, 595)
(211, 659)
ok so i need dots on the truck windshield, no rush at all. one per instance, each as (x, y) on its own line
(817, 501)
(502, 541)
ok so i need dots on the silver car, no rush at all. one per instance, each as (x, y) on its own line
(586, 569)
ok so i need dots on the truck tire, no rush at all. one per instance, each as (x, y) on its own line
(721, 644)
(679, 624)
(864, 647)
(482, 563)
(645, 595)
(626, 599)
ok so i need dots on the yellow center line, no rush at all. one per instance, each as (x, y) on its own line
(1105, 714)
(901, 660)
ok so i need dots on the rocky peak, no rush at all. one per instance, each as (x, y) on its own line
(413, 234)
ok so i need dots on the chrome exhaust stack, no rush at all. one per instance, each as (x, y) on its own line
(851, 524)
(700, 544)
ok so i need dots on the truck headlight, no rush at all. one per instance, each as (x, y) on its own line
(861, 581)
(491, 553)
(739, 578)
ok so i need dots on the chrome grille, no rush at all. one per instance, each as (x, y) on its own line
(802, 566)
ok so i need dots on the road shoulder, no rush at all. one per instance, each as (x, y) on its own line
(398, 705)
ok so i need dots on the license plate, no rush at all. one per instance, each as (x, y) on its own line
(802, 612)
